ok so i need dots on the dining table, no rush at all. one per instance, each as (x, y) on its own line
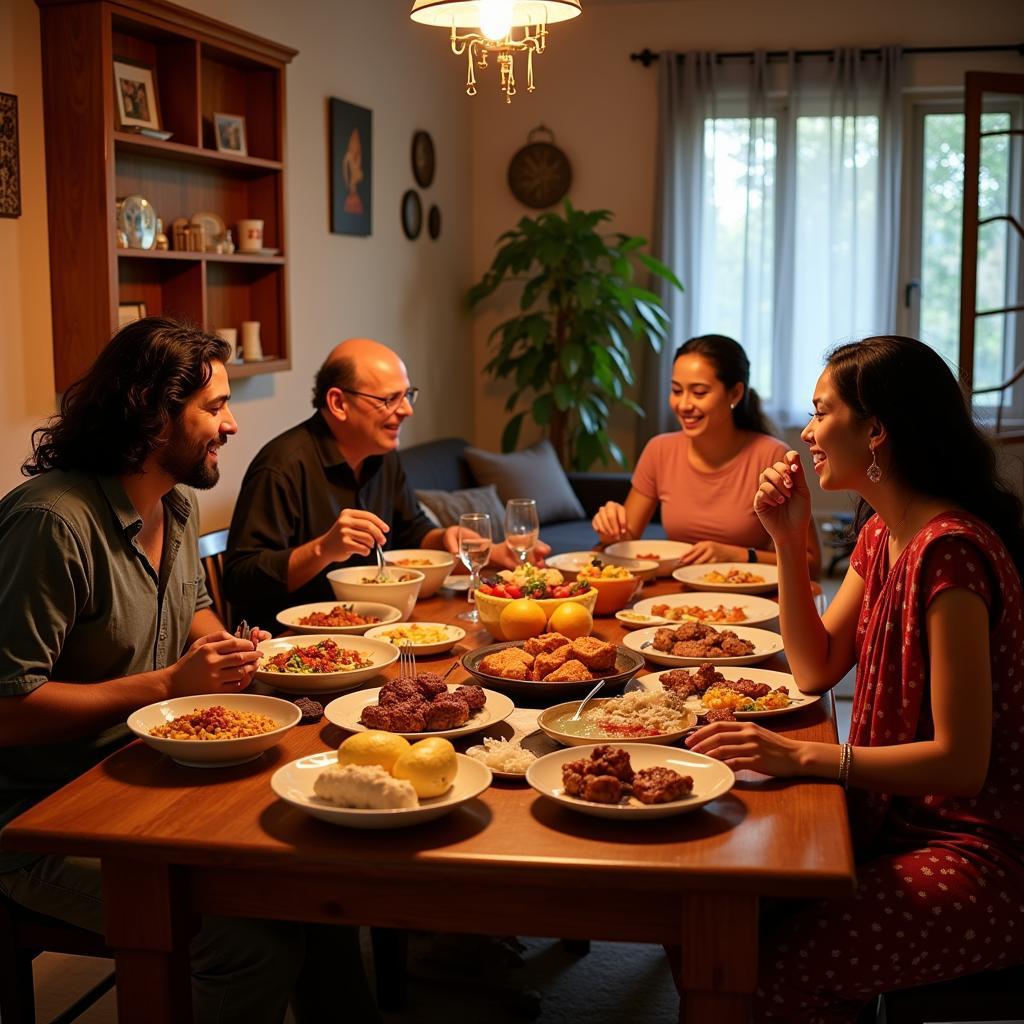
(176, 842)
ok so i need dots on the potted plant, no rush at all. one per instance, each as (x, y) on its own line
(570, 346)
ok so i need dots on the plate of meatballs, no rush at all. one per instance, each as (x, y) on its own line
(424, 706)
(730, 693)
(553, 665)
(693, 643)
(630, 780)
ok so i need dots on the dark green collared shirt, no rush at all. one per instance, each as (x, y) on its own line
(80, 603)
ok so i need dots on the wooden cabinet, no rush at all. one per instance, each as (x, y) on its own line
(201, 66)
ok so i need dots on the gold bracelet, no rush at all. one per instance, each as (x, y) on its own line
(845, 763)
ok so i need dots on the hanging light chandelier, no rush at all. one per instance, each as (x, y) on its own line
(496, 22)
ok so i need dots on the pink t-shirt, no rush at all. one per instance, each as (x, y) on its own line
(715, 506)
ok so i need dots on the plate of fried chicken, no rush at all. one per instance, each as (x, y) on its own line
(693, 643)
(552, 665)
(630, 780)
(420, 707)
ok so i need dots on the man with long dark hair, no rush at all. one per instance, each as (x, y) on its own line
(105, 610)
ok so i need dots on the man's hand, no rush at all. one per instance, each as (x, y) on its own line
(354, 533)
(218, 663)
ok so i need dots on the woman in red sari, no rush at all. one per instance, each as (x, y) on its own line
(931, 613)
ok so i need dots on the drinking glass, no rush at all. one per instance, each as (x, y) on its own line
(522, 528)
(474, 550)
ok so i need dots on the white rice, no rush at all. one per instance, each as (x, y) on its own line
(663, 711)
(504, 756)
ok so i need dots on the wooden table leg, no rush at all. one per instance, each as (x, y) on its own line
(719, 958)
(150, 937)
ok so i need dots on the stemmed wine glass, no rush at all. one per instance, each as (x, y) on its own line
(522, 527)
(474, 550)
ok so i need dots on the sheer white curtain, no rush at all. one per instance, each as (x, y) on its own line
(778, 201)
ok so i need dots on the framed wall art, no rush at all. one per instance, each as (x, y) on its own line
(351, 129)
(10, 172)
(135, 96)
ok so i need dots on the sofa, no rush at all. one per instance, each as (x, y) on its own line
(442, 466)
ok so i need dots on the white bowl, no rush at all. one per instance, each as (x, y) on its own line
(380, 653)
(756, 610)
(289, 618)
(294, 783)
(214, 753)
(453, 634)
(711, 779)
(551, 723)
(668, 552)
(441, 563)
(766, 643)
(694, 576)
(570, 563)
(347, 584)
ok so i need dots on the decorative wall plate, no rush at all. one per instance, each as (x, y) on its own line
(434, 222)
(214, 226)
(423, 159)
(137, 219)
(412, 214)
(540, 173)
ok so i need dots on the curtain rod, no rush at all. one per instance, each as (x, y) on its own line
(647, 57)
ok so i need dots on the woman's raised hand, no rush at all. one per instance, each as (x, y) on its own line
(610, 522)
(782, 500)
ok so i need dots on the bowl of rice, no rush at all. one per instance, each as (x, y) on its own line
(214, 730)
(633, 717)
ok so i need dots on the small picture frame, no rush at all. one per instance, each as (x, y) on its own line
(129, 312)
(229, 134)
(135, 95)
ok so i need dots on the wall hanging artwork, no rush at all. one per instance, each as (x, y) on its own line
(10, 175)
(351, 168)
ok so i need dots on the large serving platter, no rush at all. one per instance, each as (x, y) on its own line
(765, 644)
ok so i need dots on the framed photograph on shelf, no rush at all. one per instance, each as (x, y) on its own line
(351, 130)
(135, 96)
(128, 312)
(229, 131)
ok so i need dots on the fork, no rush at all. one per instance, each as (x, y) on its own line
(406, 663)
(382, 576)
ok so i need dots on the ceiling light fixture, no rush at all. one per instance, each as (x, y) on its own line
(496, 20)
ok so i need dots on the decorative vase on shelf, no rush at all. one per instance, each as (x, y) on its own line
(160, 242)
(229, 242)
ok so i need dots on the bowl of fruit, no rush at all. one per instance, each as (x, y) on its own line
(614, 584)
(546, 589)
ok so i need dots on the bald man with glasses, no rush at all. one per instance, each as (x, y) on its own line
(327, 490)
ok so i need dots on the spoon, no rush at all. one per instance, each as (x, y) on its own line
(382, 576)
(585, 701)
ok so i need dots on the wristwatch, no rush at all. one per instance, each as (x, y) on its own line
(751, 554)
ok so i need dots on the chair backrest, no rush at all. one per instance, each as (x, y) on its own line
(211, 552)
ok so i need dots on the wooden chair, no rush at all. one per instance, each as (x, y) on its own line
(25, 934)
(211, 552)
(988, 996)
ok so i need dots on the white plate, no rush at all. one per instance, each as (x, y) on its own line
(693, 576)
(345, 711)
(214, 226)
(570, 563)
(290, 617)
(294, 783)
(765, 644)
(536, 742)
(214, 753)
(651, 681)
(756, 609)
(456, 581)
(668, 552)
(711, 779)
(381, 653)
(454, 635)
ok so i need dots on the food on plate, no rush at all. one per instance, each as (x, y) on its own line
(312, 710)
(214, 723)
(571, 620)
(430, 765)
(598, 570)
(326, 656)
(522, 618)
(716, 693)
(400, 577)
(503, 755)
(529, 581)
(640, 713)
(415, 634)
(732, 576)
(697, 640)
(720, 715)
(508, 663)
(650, 557)
(607, 777)
(694, 613)
(364, 786)
(411, 563)
(373, 747)
(639, 616)
(422, 704)
(339, 615)
(552, 658)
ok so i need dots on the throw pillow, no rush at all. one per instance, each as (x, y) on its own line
(445, 507)
(534, 473)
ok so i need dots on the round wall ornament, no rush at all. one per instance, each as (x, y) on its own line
(423, 158)
(137, 219)
(540, 173)
(412, 214)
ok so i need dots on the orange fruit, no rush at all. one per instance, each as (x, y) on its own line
(522, 618)
(571, 619)
(430, 765)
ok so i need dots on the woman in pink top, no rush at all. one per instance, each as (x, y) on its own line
(703, 476)
(931, 612)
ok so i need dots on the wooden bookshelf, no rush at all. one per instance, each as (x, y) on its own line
(201, 66)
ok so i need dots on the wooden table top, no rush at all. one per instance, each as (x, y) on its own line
(766, 837)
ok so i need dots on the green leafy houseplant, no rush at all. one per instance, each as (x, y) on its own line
(570, 346)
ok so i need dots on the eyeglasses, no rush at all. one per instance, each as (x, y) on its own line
(388, 403)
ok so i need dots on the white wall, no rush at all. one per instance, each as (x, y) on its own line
(406, 294)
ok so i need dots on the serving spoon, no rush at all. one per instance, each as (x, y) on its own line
(382, 576)
(585, 701)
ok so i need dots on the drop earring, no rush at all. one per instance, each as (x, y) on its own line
(874, 471)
